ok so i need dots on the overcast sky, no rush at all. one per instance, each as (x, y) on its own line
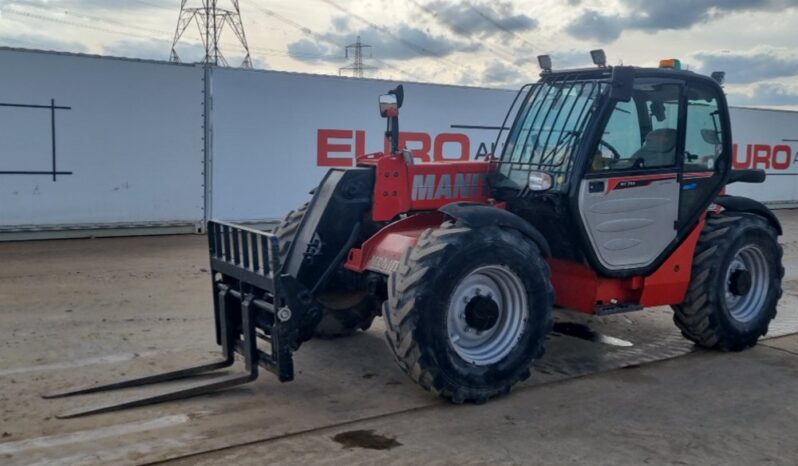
(472, 42)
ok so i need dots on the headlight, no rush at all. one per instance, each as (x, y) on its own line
(539, 181)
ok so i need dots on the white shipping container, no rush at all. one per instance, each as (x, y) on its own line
(767, 139)
(275, 134)
(132, 147)
(126, 142)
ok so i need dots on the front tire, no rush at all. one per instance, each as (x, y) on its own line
(735, 284)
(468, 311)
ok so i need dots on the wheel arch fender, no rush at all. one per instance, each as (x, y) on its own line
(746, 204)
(476, 215)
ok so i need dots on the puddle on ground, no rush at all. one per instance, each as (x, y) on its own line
(365, 439)
(573, 329)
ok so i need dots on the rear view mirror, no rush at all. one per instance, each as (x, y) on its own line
(389, 105)
(658, 110)
(749, 175)
(389, 108)
(391, 102)
(710, 136)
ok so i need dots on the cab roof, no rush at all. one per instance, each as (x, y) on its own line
(599, 73)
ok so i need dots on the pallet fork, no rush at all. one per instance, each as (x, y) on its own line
(251, 302)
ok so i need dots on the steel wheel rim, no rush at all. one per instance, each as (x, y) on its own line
(506, 290)
(745, 307)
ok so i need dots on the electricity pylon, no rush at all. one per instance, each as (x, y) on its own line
(211, 21)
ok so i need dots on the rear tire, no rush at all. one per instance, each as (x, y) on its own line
(343, 313)
(735, 285)
(468, 311)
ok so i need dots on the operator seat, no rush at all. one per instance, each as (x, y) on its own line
(659, 149)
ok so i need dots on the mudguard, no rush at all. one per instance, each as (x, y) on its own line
(745, 204)
(332, 222)
(476, 215)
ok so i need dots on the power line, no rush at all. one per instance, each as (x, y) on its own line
(435, 15)
(164, 36)
(497, 24)
(161, 32)
(503, 28)
(419, 49)
(211, 20)
(320, 38)
(84, 16)
(51, 19)
(154, 5)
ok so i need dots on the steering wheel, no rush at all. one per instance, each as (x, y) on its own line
(615, 154)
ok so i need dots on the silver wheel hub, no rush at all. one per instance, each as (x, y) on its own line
(486, 314)
(747, 283)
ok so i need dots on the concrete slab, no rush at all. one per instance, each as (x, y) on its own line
(705, 408)
(789, 344)
(85, 311)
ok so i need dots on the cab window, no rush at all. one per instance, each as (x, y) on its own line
(703, 139)
(642, 133)
(703, 149)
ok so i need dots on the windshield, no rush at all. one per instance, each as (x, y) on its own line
(547, 131)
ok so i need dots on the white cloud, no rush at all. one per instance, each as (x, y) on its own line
(752, 65)
(657, 15)
(476, 42)
(767, 95)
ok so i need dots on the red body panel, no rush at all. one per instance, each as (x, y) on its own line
(400, 187)
(668, 285)
(383, 251)
(579, 287)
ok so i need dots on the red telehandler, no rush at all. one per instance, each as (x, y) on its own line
(607, 196)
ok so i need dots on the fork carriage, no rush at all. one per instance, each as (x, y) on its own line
(251, 303)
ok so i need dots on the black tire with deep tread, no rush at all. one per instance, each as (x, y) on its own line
(342, 322)
(287, 229)
(418, 296)
(335, 322)
(703, 317)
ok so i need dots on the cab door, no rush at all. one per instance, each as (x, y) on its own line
(629, 198)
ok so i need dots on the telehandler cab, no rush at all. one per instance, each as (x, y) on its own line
(607, 196)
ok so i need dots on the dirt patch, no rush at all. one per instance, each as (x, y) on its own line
(365, 439)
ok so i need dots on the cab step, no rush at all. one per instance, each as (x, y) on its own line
(609, 309)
